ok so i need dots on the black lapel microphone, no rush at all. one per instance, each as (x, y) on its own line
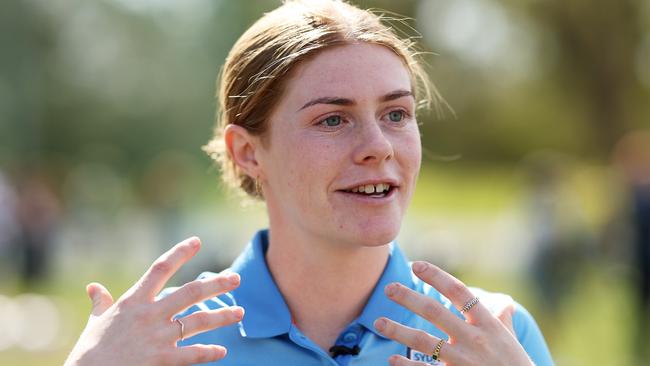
(344, 350)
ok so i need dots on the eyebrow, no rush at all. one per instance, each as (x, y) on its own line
(348, 102)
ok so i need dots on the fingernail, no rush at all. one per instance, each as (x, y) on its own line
(233, 278)
(237, 311)
(419, 267)
(380, 324)
(195, 242)
(92, 291)
(390, 289)
(221, 351)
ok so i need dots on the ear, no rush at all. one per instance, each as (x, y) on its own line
(241, 146)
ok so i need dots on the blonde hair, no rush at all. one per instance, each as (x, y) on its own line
(255, 72)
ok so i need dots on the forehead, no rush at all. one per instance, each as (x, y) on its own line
(355, 71)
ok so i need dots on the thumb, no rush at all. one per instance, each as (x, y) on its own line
(100, 297)
(505, 316)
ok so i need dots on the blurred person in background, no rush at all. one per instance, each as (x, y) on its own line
(38, 212)
(317, 119)
(561, 243)
(632, 157)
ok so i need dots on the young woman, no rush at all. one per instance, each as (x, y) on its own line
(317, 118)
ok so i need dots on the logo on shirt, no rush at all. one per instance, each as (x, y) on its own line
(422, 357)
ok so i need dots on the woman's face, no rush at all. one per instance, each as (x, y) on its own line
(343, 150)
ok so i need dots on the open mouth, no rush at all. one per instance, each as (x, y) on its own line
(378, 190)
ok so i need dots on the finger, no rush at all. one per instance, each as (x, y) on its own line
(163, 268)
(505, 317)
(101, 298)
(199, 353)
(397, 360)
(453, 289)
(428, 308)
(197, 291)
(203, 321)
(417, 339)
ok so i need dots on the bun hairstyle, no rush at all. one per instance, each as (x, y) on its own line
(255, 72)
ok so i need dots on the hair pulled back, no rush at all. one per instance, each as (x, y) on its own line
(256, 70)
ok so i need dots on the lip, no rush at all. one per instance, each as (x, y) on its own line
(369, 200)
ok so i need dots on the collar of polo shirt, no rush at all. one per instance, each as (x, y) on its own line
(267, 314)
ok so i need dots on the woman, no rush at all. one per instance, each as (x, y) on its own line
(317, 118)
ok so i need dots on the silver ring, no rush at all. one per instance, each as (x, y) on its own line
(468, 305)
(182, 328)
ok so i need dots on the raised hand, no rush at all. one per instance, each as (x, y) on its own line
(482, 339)
(137, 329)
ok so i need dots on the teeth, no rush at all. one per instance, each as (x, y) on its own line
(371, 188)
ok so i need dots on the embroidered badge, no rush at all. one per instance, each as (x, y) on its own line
(414, 355)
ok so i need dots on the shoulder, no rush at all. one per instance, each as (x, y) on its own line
(526, 329)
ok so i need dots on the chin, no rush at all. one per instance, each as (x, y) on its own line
(356, 230)
(376, 235)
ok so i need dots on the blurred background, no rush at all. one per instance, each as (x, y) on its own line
(537, 184)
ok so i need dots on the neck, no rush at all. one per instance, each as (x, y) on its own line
(326, 285)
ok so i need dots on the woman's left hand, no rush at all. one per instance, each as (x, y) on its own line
(482, 339)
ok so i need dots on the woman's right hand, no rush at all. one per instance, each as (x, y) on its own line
(138, 329)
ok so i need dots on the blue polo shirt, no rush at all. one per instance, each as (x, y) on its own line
(266, 335)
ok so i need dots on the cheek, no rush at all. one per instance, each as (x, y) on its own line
(411, 152)
(416, 156)
(305, 167)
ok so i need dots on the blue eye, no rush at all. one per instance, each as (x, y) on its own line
(332, 121)
(396, 116)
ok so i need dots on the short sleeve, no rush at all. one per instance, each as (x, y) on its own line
(530, 337)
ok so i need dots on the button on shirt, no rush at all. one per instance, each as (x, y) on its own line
(267, 336)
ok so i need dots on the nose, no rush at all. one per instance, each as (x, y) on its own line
(374, 145)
